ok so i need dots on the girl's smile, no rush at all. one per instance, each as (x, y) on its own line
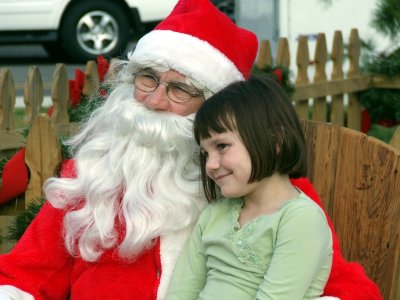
(221, 177)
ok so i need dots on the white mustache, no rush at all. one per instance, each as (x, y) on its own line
(149, 128)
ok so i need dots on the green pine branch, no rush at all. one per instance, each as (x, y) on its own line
(269, 71)
(22, 221)
(387, 18)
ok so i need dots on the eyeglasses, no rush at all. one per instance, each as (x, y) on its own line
(176, 91)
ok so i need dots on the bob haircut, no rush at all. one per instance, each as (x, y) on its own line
(261, 113)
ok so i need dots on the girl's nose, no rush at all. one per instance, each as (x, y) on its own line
(212, 163)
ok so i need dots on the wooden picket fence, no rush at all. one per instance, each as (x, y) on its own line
(360, 221)
(320, 89)
(33, 98)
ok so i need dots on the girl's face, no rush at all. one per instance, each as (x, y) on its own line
(228, 163)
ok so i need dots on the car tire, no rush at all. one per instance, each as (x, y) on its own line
(93, 28)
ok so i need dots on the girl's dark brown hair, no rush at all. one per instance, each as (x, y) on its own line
(260, 111)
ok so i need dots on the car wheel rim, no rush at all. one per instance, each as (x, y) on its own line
(97, 32)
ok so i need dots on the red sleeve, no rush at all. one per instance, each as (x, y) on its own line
(39, 263)
(347, 280)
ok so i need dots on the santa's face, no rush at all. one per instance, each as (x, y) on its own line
(158, 100)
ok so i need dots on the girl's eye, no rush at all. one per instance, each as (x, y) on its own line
(222, 147)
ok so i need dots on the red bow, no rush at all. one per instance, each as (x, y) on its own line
(279, 75)
(102, 67)
(75, 88)
(15, 177)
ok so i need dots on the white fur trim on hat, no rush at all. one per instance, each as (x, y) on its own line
(188, 55)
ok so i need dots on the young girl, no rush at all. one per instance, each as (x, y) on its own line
(264, 239)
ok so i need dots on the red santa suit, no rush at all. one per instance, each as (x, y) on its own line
(40, 265)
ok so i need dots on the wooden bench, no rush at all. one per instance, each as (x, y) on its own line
(357, 179)
(355, 175)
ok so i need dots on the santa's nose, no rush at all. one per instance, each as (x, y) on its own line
(157, 99)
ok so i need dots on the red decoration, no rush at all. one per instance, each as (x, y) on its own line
(50, 110)
(279, 75)
(387, 123)
(75, 88)
(365, 121)
(15, 177)
(76, 85)
(102, 67)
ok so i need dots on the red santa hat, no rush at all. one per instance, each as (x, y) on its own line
(199, 41)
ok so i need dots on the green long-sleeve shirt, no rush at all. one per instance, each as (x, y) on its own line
(284, 255)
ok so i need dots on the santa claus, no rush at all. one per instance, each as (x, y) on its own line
(117, 218)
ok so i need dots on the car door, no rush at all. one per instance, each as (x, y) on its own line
(18, 15)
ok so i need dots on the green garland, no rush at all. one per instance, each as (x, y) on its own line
(384, 104)
(270, 71)
(86, 107)
(3, 161)
(23, 219)
(388, 65)
(386, 18)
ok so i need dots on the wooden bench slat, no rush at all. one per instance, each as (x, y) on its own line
(358, 181)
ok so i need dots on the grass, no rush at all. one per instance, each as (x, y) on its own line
(19, 115)
(382, 133)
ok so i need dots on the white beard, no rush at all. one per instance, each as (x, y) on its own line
(135, 167)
